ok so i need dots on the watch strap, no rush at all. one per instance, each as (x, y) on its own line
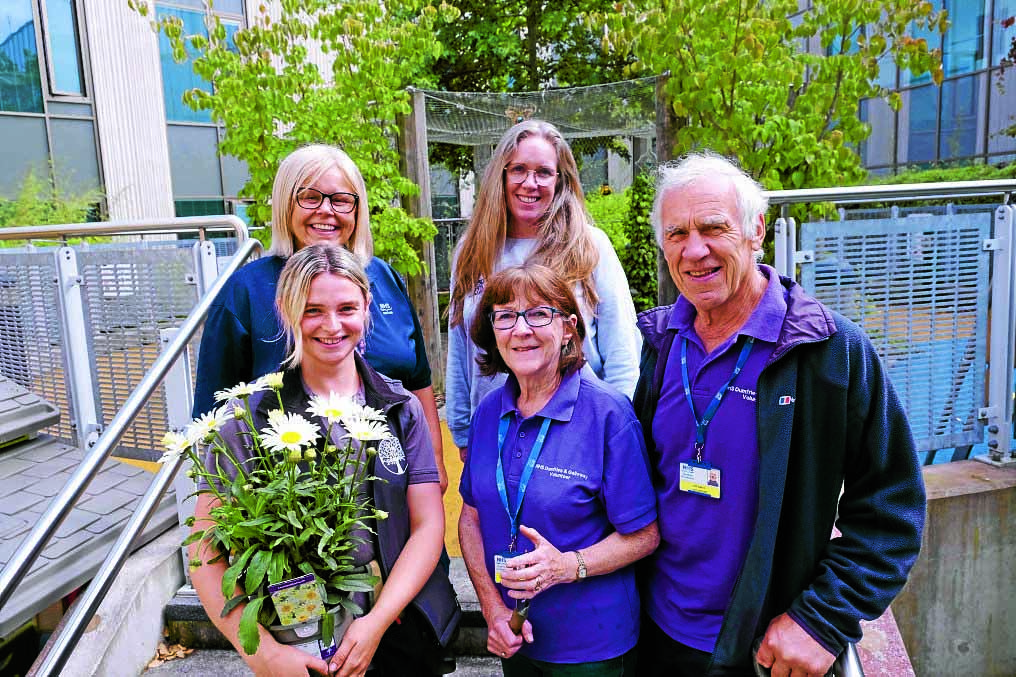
(580, 571)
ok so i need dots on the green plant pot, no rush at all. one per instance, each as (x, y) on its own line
(307, 636)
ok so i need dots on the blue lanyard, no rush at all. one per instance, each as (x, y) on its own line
(527, 472)
(714, 404)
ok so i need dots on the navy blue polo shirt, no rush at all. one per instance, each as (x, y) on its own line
(591, 479)
(703, 540)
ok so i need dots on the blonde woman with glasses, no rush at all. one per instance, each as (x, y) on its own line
(530, 208)
(318, 197)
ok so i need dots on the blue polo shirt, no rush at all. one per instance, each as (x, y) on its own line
(591, 479)
(242, 337)
(703, 541)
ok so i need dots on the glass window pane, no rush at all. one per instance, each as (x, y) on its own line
(199, 207)
(921, 105)
(1002, 114)
(75, 162)
(963, 48)
(193, 161)
(178, 78)
(24, 139)
(20, 84)
(63, 42)
(958, 132)
(1002, 38)
(877, 149)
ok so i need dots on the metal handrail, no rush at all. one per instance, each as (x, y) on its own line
(26, 554)
(138, 227)
(892, 193)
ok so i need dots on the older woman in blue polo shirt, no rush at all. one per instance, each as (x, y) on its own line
(318, 197)
(558, 501)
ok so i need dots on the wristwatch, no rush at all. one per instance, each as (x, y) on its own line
(580, 572)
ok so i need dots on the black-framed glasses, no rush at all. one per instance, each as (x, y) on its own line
(544, 176)
(341, 203)
(540, 316)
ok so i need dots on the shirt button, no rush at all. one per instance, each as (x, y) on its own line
(518, 454)
(522, 434)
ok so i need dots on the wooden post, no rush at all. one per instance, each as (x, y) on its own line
(666, 292)
(423, 287)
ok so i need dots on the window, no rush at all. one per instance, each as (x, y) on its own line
(20, 81)
(1002, 36)
(958, 126)
(963, 48)
(46, 115)
(922, 103)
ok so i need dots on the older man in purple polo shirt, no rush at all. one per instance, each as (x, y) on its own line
(759, 404)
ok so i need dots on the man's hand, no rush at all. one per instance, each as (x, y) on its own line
(789, 651)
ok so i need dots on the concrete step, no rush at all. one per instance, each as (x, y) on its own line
(188, 624)
(222, 663)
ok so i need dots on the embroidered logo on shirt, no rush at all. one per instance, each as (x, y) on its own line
(478, 289)
(389, 452)
(786, 399)
(385, 308)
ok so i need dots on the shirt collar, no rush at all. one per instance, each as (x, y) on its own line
(561, 405)
(763, 324)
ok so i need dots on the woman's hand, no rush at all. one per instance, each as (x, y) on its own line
(357, 648)
(279, 660)
(540, 569)
(501, 641)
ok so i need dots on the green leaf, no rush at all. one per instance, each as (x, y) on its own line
(232, 574)
(232, 604)
(257, 570)
(249, 634)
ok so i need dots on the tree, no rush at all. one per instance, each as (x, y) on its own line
(744, 83)
(270, 96)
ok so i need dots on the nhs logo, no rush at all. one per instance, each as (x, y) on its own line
(385, 308)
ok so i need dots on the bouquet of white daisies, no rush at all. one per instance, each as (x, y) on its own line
(287, 500)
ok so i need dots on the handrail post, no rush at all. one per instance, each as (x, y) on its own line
(179, 401)
(76, 351)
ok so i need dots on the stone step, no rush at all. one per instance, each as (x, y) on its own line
(223, 663)
(188, 624)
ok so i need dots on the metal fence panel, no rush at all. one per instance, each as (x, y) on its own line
(919, 287)
(130, 295)
(31, 347)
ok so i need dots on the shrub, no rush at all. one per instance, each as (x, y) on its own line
(638, 258)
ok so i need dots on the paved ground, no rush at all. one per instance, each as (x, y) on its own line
(228, 664)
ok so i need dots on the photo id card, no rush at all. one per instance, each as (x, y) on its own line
(501, 563)
(700, 478)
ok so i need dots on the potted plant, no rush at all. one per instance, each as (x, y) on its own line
(288, 512)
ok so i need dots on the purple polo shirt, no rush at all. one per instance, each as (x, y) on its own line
(703, 541)
(591, 479)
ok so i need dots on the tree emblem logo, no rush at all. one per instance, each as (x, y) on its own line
(390, 453)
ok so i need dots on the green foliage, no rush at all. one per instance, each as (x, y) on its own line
(295, 506)
(638, 258)
(959, 173)
(608, 212)
(271, 97)
(741, 84)
(42, 202)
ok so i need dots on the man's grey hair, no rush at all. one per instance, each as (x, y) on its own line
(749, 194)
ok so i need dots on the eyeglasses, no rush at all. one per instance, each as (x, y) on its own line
(341, 203)
(518, 173)
(540, 316)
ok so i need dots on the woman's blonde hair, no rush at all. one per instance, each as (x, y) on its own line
(294, 287)
(565, 241)
(302, 168)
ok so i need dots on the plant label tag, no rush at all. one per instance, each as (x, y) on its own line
(297, 600)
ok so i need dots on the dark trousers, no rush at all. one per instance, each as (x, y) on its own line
(520, 666)
(662, 656)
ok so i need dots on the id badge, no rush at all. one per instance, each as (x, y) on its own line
(501, 563)
(700, 478)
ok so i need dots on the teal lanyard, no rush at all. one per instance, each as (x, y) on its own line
(714, 404)
(527, 473)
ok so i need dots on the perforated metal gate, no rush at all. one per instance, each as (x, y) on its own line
(919, 286)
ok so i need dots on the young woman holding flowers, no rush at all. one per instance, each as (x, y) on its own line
(323, 299)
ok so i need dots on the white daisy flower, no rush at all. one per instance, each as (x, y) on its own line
(365, 430)
(176, 446)
(290, 433)
(373, 414)
(273, 380)
(238, 392)
(276, 416)
(205, 425)
(333, 407)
